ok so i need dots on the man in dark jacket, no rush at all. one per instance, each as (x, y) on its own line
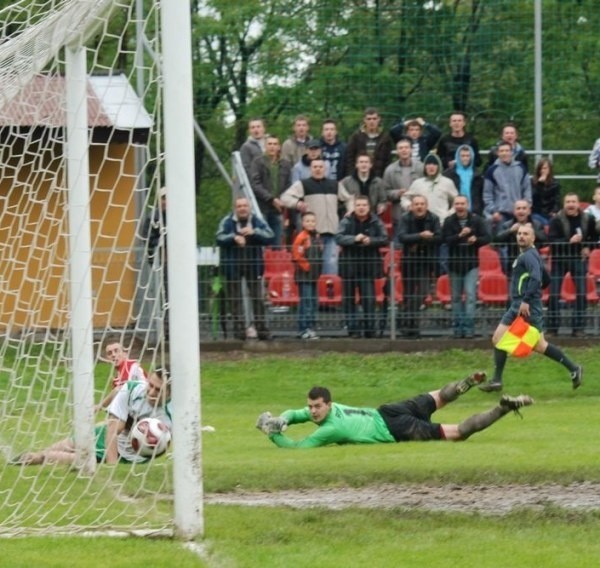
(361, 234)
(572, 234)
(419, 234)
(333, 150)
(423, 134)
(373, 140)
(457, 136)
(269, 177)
(464, 233)
(241, 237)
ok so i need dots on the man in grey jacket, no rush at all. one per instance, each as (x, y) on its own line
(254, 146)
(364, 182)
(505, 182)
(398, 177)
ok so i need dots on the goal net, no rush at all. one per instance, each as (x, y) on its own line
(127, 235)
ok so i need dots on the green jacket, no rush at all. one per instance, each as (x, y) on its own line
(343, 425)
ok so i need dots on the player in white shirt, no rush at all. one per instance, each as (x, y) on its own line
(134, 401)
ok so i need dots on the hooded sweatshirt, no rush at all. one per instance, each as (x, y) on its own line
(439, 190)
(467, 181)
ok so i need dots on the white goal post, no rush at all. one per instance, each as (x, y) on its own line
(96, 139)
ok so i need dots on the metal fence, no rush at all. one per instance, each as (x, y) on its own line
(401, 303)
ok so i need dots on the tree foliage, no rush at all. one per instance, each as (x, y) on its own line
(279, 58)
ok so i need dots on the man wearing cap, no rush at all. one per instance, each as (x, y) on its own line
(320, 195)
(301, 169)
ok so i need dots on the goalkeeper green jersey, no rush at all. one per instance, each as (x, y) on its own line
(343, 425)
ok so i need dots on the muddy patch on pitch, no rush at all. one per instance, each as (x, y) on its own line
(490, 500)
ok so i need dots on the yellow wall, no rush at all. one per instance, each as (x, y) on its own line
(34, 286)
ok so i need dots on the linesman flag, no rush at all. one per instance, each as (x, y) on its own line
(519, 339)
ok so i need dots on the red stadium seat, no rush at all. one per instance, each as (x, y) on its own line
(594, 263)
(382, 290)
(489, 260)
(567, 289)
(443, 290)
(277, 261)
(493, 288)
(329, 290)
(568, 292)
(283, 290)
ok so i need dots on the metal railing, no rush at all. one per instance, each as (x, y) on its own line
(403, 301)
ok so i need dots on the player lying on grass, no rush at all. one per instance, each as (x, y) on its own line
(408, 420)
(135, 400)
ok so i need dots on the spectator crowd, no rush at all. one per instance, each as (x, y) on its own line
(406, 215)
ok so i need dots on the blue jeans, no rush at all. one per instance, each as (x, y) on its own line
(330, 254)
(463, 313)
(308, 305)
(275, 221)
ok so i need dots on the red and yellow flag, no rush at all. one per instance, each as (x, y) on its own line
(519, 339)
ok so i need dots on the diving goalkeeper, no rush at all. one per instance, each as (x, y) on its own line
(408, 420)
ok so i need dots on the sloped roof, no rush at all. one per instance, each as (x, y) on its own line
(111, 103)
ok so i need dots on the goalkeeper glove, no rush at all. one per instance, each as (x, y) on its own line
(276, 425)
(262, 422)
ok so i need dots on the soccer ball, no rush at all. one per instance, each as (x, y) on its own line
(150, 437)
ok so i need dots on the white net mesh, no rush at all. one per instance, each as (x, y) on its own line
(126, 168)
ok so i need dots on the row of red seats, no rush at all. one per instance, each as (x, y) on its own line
(283, 290)
(492, 290)
(492, 287)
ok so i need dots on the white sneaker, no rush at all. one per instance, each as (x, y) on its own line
(251, 332)
(309, 334)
